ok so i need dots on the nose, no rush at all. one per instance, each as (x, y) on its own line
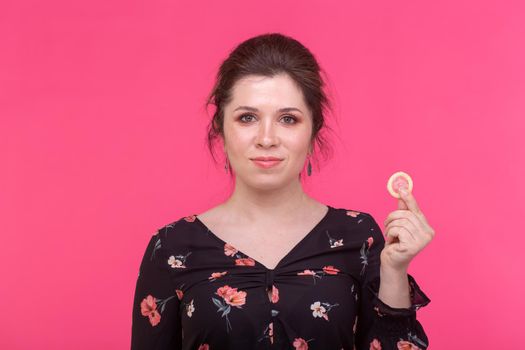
(267, 133)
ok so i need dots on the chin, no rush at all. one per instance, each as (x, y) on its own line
(268, 182)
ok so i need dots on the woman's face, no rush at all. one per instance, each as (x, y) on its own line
(267, 117)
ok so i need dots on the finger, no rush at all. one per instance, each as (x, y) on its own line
(402, 214)
(409, 200)
(401, 205)
(406, 224)
(399, 235)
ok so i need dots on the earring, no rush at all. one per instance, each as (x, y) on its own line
(226, 165)
(309, 168)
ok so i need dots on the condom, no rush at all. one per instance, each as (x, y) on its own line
(397, 180)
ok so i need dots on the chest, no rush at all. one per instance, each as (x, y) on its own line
(267, 246)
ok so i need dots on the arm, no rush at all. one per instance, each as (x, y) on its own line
(393, 288)
(385, 316)
(155, 316)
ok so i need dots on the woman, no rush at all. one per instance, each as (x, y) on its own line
(271, 267)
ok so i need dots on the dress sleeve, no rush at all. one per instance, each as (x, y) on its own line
(155, 316)
(380, 326)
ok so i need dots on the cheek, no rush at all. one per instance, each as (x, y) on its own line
(237, 141)
(298, 143)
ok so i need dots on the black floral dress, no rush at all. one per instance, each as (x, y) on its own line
(195, 291)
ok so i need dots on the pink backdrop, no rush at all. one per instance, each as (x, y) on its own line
(102, 141)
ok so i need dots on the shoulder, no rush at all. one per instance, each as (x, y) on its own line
(177, 231)
(355, 216)
(356, 222)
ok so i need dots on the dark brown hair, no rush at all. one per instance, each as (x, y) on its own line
(268, 55)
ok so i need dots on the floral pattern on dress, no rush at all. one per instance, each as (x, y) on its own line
(267, 333)
(406, 345)
(413, 338)
(352, 213)
(353, 291)
(240, 259)
(156, 247)
(327, 270)
(216, 275)
(320, 309)
(375, 344)
(190, 218)
(226, 298)
(273, 294)
(150, 307)
(180, 293)
(245, 262)
(365, 250)
(230, 297)
(189, 308)
(334, 243)
(301, 344)
(229, 250)
(178, 261)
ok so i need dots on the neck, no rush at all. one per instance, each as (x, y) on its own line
(277, 204)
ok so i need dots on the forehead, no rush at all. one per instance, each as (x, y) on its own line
(260, 90)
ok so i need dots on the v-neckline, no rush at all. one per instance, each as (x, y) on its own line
(286, 256)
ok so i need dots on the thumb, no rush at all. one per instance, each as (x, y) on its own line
(401, 204)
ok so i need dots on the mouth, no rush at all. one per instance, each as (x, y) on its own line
(265, 159)
(266, 162)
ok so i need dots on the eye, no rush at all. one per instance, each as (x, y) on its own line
(244, 115)
(292, 118)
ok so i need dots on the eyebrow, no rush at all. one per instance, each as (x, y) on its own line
(253, 109)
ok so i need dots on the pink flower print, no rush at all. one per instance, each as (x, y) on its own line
(406, 345)
(300, 344)
(190, 308)
(204, 347)
(320, 309)
(230, 250)
(309, 273)
(178, 261)
(370, 241)
(330, 270)
(190, 218)
(245, 262)
(231, 296)
(148, 307)
(352, 213)
(274, 297)
(216, 275)
(180, 293)
(375, 345)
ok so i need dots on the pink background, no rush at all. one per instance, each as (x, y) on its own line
(102, 142)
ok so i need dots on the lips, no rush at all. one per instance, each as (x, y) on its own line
(266, 159)
(266, 162)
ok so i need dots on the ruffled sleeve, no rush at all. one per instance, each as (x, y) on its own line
(155, 319)
(379, 325)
